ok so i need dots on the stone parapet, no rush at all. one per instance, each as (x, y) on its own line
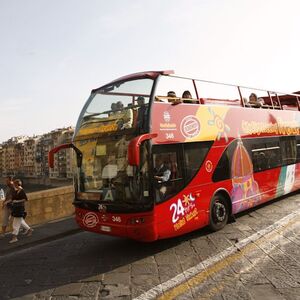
(49, 205)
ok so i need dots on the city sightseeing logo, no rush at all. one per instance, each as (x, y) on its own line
(167, 117)
(167, 125)
(190, 127)
(90, 220)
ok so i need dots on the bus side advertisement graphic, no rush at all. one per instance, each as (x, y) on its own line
(183, 211)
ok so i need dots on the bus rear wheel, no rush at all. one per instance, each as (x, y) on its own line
(219, 213)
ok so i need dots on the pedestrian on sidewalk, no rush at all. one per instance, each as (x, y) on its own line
(6, 206)
(18, 211)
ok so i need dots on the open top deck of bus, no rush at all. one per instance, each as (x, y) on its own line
(286, 102)
(270, 99)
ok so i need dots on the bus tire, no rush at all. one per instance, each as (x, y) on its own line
(218, 213)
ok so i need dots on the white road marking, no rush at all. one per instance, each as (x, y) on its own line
(191, 272)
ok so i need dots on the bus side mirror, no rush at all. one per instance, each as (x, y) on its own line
(134, 148)
(64, 146)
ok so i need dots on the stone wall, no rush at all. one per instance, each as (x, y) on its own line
(41, 181)
(48, 205)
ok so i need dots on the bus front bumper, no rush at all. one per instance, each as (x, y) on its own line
(139, 227)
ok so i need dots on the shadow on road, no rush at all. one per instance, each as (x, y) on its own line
(81, 257)
(73, 259)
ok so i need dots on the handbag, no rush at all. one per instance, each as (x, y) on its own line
(18, 210)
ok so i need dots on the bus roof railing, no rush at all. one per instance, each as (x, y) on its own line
(274, 100)
(297, 94)
(283, 101)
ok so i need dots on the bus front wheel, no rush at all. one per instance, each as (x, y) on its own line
(219, 213)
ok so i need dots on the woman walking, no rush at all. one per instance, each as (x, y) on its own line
(18, 211)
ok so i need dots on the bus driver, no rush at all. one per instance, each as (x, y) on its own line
(162, 174)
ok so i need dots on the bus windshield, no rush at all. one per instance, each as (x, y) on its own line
(111, 118)
(115, 107)
(105, 170)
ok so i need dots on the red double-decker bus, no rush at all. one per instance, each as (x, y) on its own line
(159, 155)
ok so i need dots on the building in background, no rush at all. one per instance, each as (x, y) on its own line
(28, 156)
(13, 156)
(63, 159)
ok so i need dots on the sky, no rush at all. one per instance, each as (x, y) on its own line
(53, 53)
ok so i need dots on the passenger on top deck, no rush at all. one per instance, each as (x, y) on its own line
(172, 94)
(119, 105)
(125, 116)
(187, 95)
(254, 101)
(113, 108)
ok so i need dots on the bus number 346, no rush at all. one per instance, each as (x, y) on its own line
(116, 219)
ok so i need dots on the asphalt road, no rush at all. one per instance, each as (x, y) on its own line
(257, 257)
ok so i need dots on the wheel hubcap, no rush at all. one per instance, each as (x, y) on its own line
(220, 212)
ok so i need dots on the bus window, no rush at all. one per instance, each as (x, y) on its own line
(273, 153)
(223, 168)
(222, 171)
(265, 153)
(167, 171)
(116, 107)
(259, 158)
(194, 155)
(288, 150)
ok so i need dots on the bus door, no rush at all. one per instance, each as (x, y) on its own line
(167, 171)
(175, 166)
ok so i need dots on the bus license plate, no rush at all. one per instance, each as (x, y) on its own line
(105, 228)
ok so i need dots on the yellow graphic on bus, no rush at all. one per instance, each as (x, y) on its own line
(212, 124)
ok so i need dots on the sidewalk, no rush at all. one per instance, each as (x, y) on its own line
(41, 234)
